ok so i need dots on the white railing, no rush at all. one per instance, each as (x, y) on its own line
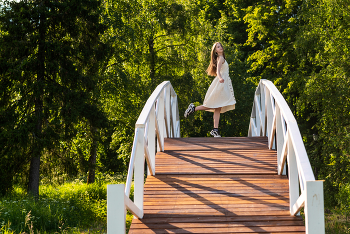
(158, 119)
(272, 117)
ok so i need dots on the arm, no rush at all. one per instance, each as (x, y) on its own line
(221, 60)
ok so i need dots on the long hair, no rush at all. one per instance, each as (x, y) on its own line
(211, 70)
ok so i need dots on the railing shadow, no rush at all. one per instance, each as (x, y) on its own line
(184, 187)
(179, 185)
(185, 157)
(215, 170)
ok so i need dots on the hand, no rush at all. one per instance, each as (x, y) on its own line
(221, 80)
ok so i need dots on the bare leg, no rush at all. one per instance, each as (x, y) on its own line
(217, 117)
(201, 108)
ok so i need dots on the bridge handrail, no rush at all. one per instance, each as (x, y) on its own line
(159, 119)
(272, 117)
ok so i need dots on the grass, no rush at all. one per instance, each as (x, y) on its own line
(73, 207)
(336, 223)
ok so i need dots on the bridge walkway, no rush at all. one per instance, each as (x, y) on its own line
(217, 185)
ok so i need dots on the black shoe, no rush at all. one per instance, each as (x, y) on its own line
(190, 109)
(215, 133)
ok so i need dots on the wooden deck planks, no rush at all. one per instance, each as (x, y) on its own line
(217, 185)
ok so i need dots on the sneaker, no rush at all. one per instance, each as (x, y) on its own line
(215, 133)
(190, 109)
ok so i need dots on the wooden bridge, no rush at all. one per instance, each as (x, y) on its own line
(218, 185)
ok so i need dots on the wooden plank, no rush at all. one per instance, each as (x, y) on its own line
(283, 226)
(264, 225)
(227, 192)
(284, 230)
(205, 219)
(225, 185)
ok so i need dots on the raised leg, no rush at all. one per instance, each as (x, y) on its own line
(201, 108)
(217, 117)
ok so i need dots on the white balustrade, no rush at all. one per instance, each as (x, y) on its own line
(272, 117)
(159, 119)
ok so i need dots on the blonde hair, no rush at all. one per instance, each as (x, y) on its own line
(211, 70)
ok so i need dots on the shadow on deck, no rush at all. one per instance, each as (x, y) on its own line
(217, 185)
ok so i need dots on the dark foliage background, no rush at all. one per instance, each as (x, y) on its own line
(74, 76)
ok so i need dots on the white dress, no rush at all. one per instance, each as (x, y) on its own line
(221, 94)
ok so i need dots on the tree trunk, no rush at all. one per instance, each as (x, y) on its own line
(34, 175)
(92, 158)
(34, 172)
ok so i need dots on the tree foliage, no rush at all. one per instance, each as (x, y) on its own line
(75, 75)
(50, 53)
(303, 47)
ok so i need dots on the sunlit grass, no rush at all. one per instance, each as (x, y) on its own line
(74, 207)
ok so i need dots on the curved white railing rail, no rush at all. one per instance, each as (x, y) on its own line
(272, 117)
(159, 119)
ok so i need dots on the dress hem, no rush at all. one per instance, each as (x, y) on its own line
(223, 108)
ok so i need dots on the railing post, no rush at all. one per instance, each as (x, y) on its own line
(257, 114)
(173, 114)
(250, 128)
(152, 136)
(292, 174)
(269, 114)
(167, 109)
(314, 208)
(177, 117)
(279, 136)
(139, 170)
(116, 212)
(160, 117)
(262, 105)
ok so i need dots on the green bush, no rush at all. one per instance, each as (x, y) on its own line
(343, 199)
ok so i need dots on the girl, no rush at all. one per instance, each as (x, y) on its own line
(220, 96)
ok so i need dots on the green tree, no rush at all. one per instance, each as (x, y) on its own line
(324, 40)
(49, 51)
(303, 47)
